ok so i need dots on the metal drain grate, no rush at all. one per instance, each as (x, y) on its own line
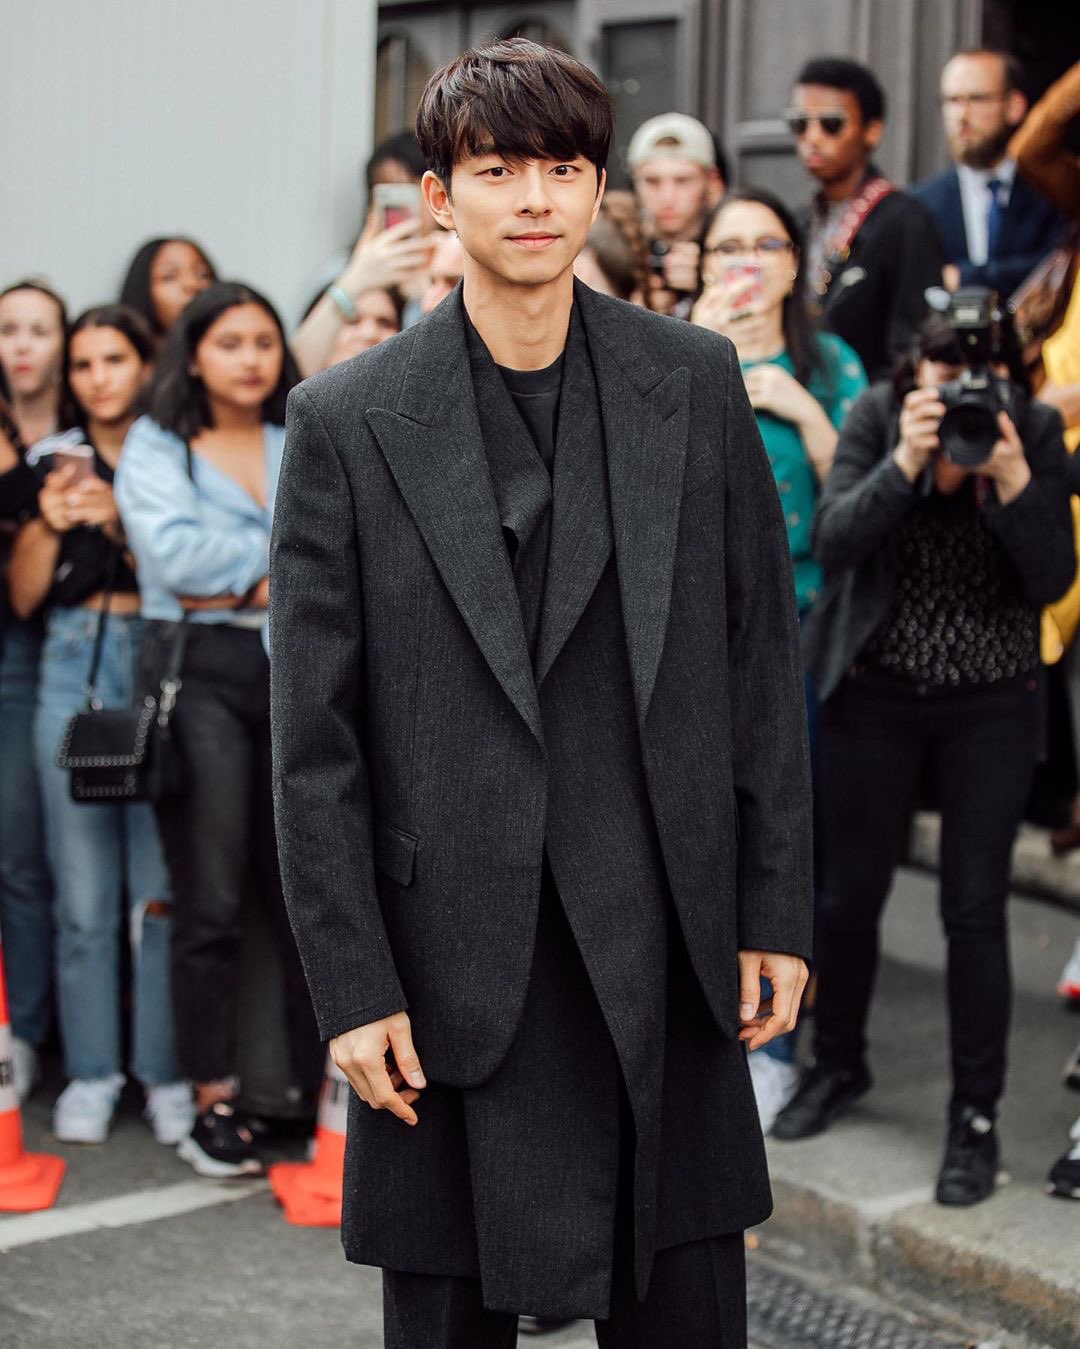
(787, 1314)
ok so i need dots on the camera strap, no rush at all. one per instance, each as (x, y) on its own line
(837, 246)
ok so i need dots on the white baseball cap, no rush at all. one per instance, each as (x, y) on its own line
(672, 135)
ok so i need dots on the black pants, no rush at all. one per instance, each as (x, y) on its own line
(696, 1300)
(879, 736)
(220, 846)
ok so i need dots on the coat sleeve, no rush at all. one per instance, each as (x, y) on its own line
(322, 795)
(1036, 528)
(865, 496)
(768, 710)
(916, 262)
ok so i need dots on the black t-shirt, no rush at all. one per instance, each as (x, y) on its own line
(536, 397)
(85, 557)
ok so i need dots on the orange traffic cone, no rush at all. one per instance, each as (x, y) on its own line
(28, 1180)
(310, 1192)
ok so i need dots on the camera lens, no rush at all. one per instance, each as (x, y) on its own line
(968, 433)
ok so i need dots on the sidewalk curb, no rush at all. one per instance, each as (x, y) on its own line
(901, 1248)
(1035, 869)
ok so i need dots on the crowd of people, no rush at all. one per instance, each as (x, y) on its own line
(934, 565)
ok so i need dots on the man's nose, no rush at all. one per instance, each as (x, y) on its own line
(534, 194)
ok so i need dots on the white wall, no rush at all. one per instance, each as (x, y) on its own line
(244, 123)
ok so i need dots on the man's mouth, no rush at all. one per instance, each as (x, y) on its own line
(533, 241)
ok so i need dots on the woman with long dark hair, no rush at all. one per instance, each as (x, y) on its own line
(33, 324)
(196, 493)
(72, 559)
(939, 550)
(801, 383)
(163, 277)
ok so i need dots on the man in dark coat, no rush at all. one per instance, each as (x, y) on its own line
(540, 762)
(995, 229)
(872, 251)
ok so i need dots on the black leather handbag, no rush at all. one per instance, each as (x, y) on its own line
(125, 753)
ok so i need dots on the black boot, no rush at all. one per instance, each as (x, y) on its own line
(969, 1172)
(823, 1094)
(1064, 1177)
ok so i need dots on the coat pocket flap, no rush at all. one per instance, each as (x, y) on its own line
(395, 853)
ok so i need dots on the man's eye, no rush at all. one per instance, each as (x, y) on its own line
(497, 171)
(564, 170)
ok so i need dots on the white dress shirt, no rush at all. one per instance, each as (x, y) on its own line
(975, 200)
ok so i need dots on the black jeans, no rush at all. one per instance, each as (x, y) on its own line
(220, 846)
(696, 1300)
(879, 736)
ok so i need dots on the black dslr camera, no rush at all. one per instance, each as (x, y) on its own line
(969, 429)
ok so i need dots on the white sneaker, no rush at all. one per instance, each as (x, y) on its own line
(85, 1108)
(774, 1085)
(170, 1111)
(25, 1069)
(1069, 983)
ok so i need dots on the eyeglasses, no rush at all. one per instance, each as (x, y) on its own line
(970, 100)
(768, 246)
(832, 123)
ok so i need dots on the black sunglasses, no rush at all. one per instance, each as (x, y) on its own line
(832, 123)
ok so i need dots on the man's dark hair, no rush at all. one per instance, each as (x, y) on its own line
(398, 149)
(177, 399)
(839, 72)
(518, 99)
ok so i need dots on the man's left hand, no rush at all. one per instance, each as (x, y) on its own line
(764, 1019)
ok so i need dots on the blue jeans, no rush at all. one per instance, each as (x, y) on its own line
(25, 884)
(100, 853)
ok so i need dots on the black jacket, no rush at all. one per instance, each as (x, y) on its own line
(875, 298)
(866, 497)
(409, 756)
(1030, 229)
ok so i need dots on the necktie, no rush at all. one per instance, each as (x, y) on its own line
(995, 217)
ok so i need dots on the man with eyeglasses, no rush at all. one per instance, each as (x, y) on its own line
(994, 228)
(872, 250)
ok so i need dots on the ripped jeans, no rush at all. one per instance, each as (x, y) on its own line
(101, 856)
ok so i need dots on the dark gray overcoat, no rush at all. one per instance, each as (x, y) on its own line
(428, 767)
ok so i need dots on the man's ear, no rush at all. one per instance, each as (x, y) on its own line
(872, 134)
(601, 184)
(1016, 106)
(437, 197)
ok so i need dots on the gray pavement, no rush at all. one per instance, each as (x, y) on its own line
(125, 1260)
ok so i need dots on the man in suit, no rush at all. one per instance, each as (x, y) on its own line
(872, 251)
(541, 773)
(994, 228)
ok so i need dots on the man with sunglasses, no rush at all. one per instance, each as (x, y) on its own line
(872, 250)
(995, 229)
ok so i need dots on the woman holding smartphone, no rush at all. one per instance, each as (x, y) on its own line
(801, 383)
(33, 322)
(196, 494)
(72, 559)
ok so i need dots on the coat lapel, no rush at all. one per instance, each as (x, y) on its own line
(433, 447)
(645, 413)
(581, 525)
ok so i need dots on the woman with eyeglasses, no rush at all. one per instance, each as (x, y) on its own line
(801, 384)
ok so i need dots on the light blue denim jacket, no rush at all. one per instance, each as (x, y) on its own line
(207, 537)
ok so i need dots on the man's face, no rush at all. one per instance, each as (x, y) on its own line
(832, 139)
(979, 113)
(521, 222)
(677, 196)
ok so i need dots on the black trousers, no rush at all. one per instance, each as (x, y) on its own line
(220, 847)
(696, 1300)
(879, 737)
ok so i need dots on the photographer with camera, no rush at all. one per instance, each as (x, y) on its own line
(943, 529)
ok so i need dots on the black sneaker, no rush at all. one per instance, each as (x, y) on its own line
(1064, 1177)
(221, 1144)
(969, 1172)
(823, 1094)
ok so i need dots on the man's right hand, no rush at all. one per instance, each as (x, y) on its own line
(361, 1054)
(920, 418)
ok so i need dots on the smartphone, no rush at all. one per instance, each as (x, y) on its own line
(747, 283)
(395, 202)
(79, 457)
